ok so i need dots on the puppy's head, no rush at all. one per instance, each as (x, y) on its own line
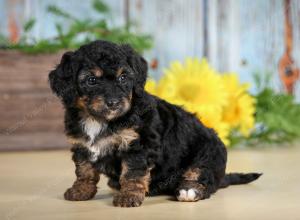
(100, 78)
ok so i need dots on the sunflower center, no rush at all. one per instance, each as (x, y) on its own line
(189, 92)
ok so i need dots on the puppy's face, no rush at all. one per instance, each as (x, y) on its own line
(100, 79)
(105, 92)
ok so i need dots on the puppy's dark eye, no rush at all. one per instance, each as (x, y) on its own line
(91, 80)
(122, 78)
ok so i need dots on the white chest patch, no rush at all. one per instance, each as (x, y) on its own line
(93, 128)
(104, 145)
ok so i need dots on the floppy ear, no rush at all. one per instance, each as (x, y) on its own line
(62, 78)
(139, 65)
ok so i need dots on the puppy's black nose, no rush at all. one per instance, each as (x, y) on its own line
(112, 102)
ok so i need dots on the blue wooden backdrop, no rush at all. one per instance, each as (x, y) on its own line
(235, 35)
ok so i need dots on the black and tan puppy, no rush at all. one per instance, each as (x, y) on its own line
(144, 145)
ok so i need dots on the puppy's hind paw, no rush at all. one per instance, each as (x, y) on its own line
(188, 195)
(190, 191)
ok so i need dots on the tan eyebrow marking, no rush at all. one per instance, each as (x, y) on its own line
(97, 72)
(119, 71)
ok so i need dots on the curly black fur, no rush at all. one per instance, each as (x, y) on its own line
(142, 143)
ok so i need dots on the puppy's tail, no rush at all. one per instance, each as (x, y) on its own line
(238, 178)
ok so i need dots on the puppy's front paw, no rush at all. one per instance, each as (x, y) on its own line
(128, 199)
(80, 193)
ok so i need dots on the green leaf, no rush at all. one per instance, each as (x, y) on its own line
(81, 31)
(101, 24)
(59, 12)
(100, 6)
(277, 114)
(29, 25)
(59, 29)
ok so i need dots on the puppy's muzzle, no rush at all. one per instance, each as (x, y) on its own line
(113, 103)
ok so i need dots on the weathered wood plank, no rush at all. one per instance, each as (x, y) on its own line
(33, 141)
(27, 105)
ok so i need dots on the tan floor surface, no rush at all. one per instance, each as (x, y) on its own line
(32, 184)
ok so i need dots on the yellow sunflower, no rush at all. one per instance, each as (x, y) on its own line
(193, 82)
(212, 119)
(239, 111)
(220, 101)
(198, 88)
(151, 86)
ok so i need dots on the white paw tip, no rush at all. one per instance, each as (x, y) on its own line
(187, 195)
(191, 194)
(182, 194)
